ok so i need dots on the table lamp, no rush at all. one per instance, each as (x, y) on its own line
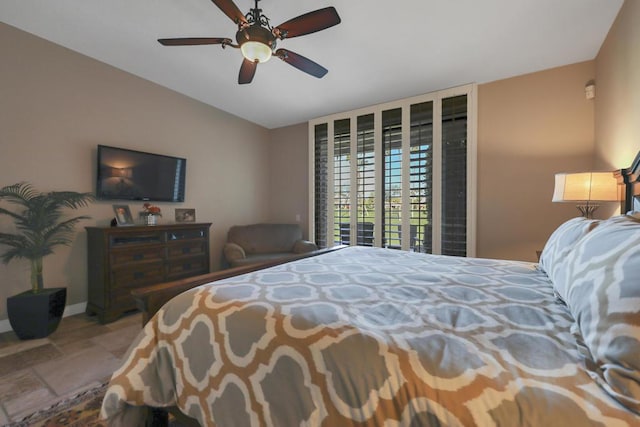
(587, 189)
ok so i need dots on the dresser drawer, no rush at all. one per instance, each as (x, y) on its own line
(188, 267)
(137, 275)
(136, 238)
(139, 254)
(177, 235)
(194, 247)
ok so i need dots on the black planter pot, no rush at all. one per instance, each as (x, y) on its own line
(36, 315)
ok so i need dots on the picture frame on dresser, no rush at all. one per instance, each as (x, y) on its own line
(123, 215)
(185, 215)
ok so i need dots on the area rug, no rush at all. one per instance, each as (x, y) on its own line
(82, 409)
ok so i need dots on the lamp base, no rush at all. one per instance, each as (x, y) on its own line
(587, 210)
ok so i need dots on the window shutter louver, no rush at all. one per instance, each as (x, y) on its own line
(421, 176)
(454, 176)
(342, 182)
(392, 172)
(365, 181)
(321, 183)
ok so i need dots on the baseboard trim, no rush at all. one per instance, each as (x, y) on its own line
(69, 310)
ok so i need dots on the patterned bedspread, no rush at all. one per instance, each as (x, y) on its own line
(367, 336)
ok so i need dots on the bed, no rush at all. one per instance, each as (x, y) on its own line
(362, 336)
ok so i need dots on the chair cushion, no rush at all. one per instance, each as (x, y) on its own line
(265, 238)
(261, 257)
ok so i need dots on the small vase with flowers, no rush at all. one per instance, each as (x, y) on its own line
(150, 213)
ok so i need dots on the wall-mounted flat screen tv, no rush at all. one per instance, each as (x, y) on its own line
(135, 175)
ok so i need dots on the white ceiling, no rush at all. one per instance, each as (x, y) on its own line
(382, 50)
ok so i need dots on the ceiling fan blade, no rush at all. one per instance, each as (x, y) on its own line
(190, 41)
(302, 63)
(308, 23)
(229, 8)
(247, 71)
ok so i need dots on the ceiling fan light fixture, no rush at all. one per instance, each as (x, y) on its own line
(256, 43)
(256, 51)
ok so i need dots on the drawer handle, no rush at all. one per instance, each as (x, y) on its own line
(138, 275)
(138, 257)
(186, 266)
(186, 250)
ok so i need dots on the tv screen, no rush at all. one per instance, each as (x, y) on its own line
(135, 175)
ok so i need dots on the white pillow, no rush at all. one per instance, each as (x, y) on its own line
(560, 243)
(603, 295)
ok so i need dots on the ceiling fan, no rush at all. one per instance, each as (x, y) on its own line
(256, 37)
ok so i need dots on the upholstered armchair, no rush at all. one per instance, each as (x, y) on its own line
(248, 244)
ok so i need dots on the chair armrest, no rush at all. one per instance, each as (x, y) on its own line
(304, 246)
(233, 251)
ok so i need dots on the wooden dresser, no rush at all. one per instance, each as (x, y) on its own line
(125, 258)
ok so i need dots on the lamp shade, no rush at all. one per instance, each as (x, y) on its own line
(256, 51)
(586, 187)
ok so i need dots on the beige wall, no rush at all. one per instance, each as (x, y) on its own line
(529, 128)
(289, 176)
(57, 105)
(617, 124)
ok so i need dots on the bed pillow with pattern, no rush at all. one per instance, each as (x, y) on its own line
(603, 295)
(553, 259)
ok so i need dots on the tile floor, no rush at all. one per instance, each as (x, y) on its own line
(80, 354)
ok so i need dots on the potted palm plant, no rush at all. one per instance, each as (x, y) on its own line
(40, 227)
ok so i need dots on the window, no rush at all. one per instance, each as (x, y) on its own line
(421, 176)
(399, 175)
(454, 175)
(342, 182)
(392, 173)
(321, 183)
(365, 181)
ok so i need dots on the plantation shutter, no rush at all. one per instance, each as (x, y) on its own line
(365, 181)
(342, 182)
(454, 176)
(392, 172)
(421, 176)
(321, 183)
(398, 175)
